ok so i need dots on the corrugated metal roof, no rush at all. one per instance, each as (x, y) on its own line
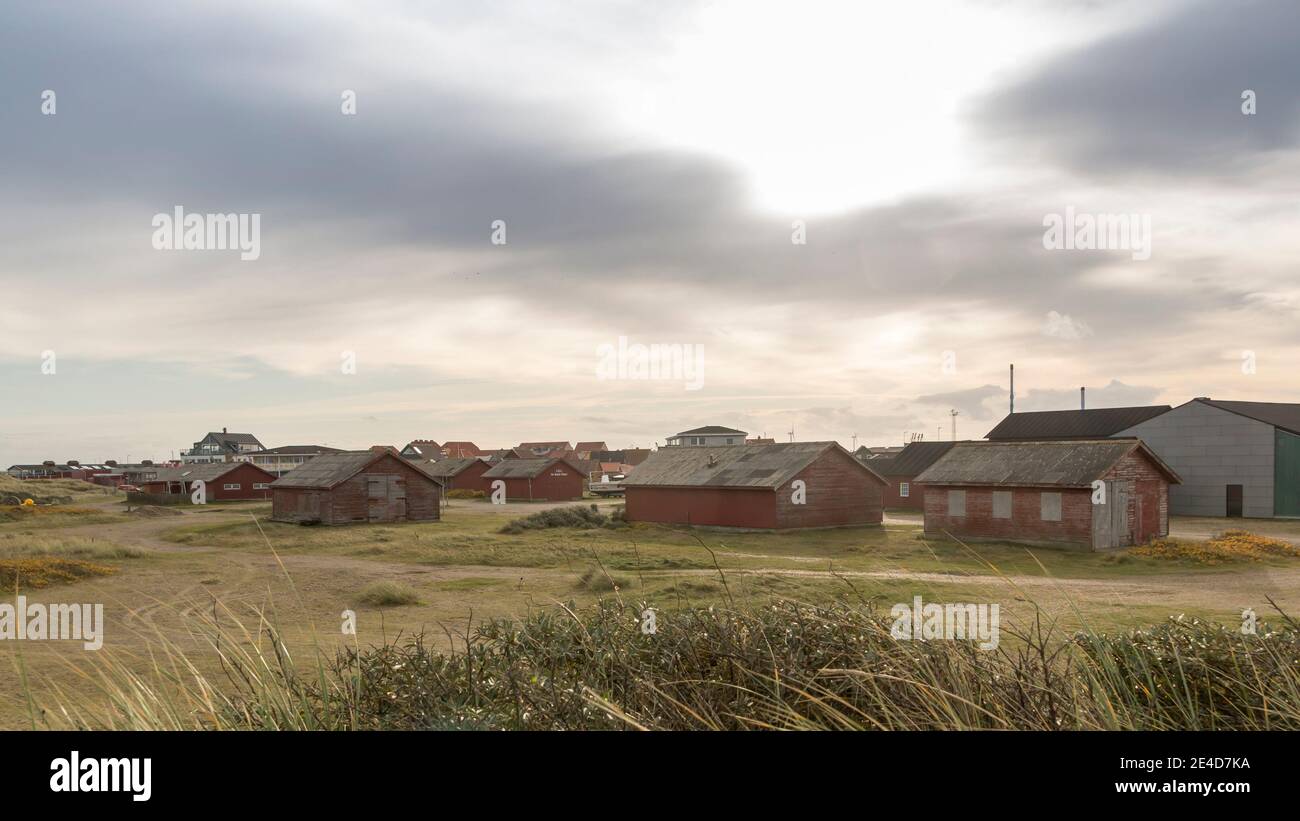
(520, 468)
(1093, 423)
(1060, 463)
(914, 458)
(1284, 415)
(330, 469)
(753, 466)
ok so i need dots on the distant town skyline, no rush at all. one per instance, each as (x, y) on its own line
(466, 218)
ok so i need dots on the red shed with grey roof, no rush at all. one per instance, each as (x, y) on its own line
(375, 485)
(1090, 494)
(536, 480)
(785, 485)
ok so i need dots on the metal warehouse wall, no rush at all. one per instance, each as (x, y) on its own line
(1286, 475)
(1211, 449)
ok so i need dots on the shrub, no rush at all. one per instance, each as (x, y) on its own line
(799, 666)
(582, 518)
(387, 594)
(596, 580)
(465, 493)
(1229, 546)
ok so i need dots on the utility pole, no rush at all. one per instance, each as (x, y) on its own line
(954, 413)
(855, 441)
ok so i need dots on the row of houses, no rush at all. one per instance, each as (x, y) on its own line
(382, 485)
(1095, 479)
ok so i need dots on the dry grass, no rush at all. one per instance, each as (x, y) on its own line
(1229, 546)
(49, 491)
(27, 545)
(45, 571)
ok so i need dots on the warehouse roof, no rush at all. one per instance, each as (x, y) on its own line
(1072, 424)
(755, 466)
(1284, 415)
(331, 469)
(1070, 463)
(521, 468)
(914, 458)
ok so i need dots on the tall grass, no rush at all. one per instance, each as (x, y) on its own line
(787, 665)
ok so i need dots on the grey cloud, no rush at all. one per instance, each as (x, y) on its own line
(971, 403)
(1115, 394)
(1164, 100)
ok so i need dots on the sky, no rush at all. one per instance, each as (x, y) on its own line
(838, 217)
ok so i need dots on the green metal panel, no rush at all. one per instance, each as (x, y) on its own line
(1286, 474)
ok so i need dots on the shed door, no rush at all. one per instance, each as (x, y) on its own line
(386, 498)
(1234, 503)
(1110, 521)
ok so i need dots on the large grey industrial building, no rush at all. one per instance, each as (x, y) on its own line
(1235, 458)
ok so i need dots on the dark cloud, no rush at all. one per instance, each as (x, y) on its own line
(1164, 100)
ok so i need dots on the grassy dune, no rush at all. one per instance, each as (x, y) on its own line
(782, 666)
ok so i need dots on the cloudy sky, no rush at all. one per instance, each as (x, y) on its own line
(841, 204)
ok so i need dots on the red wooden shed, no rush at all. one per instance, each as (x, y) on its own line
(223, 481)
(459, 474)
(375, 485)
(784, 485)
(1044, 493)
(536, 480)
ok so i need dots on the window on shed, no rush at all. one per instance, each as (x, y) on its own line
(1051, 506)
(904, 489)
(1001, 504)
(231, 487)
(956, 503)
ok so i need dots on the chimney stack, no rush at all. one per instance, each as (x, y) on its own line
(223, 430)
(1013, 388)
(1082, 406)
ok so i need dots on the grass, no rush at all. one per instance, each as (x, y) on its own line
(785, 665)
(550, 540)
(470, 575)
(387, 594)
(62, 546)
(25, 517)
(50, 491)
